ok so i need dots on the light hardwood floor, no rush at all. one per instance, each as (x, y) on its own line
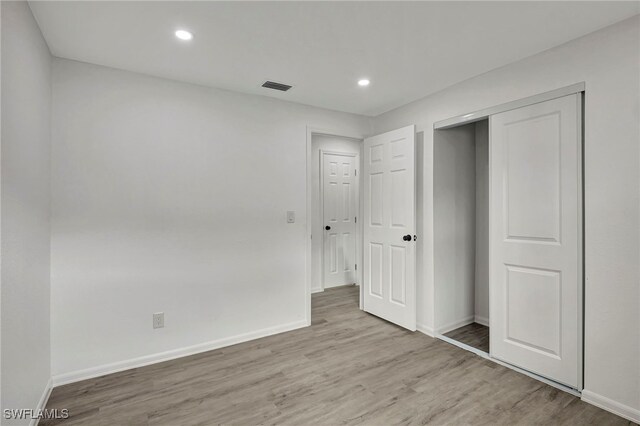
(475, 335)
(347, 368)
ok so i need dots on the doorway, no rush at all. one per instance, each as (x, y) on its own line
(385, 259)
(334, 211)
(461, 233)
(508, 234)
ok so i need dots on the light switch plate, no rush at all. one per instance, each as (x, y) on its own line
(158, 320)
(291, 217)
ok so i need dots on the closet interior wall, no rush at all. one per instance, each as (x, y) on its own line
(461, 218)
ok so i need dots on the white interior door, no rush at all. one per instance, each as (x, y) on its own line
(389, 272)
(340, 206)
(535, 238)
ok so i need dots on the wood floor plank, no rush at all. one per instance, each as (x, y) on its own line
(474, 334)
(347, 368)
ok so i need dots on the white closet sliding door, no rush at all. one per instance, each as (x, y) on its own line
(536, 238)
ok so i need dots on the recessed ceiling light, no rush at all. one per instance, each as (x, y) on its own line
(363, 82)
(184, 35)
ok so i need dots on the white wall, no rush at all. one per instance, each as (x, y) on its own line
(170, 197)
(327, 143)
(454, 237)
(609, 62)
(461, 226)
(25, 197)
(482, 223)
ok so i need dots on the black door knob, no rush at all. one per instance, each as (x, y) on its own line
(407, 237)
(327, 227)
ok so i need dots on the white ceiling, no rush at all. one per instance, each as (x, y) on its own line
(407, 49)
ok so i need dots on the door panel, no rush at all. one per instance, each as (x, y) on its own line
(374, 267)
(339, 213)
(526, 288)
(398, 275)
(389, 215)
(536, 240)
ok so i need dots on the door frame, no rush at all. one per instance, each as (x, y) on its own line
(341, 133)
(460, 120)
(358, 235)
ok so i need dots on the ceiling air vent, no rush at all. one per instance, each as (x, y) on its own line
(276, 86)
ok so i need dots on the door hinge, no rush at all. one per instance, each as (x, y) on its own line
(356, 266)
(355, 219)
(355, 172)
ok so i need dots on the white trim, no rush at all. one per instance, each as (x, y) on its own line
(456, 324)
(612, 406)
(43, 401)
(343, 153)
(425, 330)
(481, 320)
(309, 234)
(581, 248)
(317, 290)
(484, 113)
(101, 370)
(360, 227)
(485, 355)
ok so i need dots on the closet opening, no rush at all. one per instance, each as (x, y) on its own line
(461, 234)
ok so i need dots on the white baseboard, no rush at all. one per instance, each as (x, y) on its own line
(43, 400)
(101, 370)
(425, 330)
(621, 410)
(317, 290)
(457, 324)
(481, 320)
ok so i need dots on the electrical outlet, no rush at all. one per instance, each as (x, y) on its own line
(291, 217)
(158, 320)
